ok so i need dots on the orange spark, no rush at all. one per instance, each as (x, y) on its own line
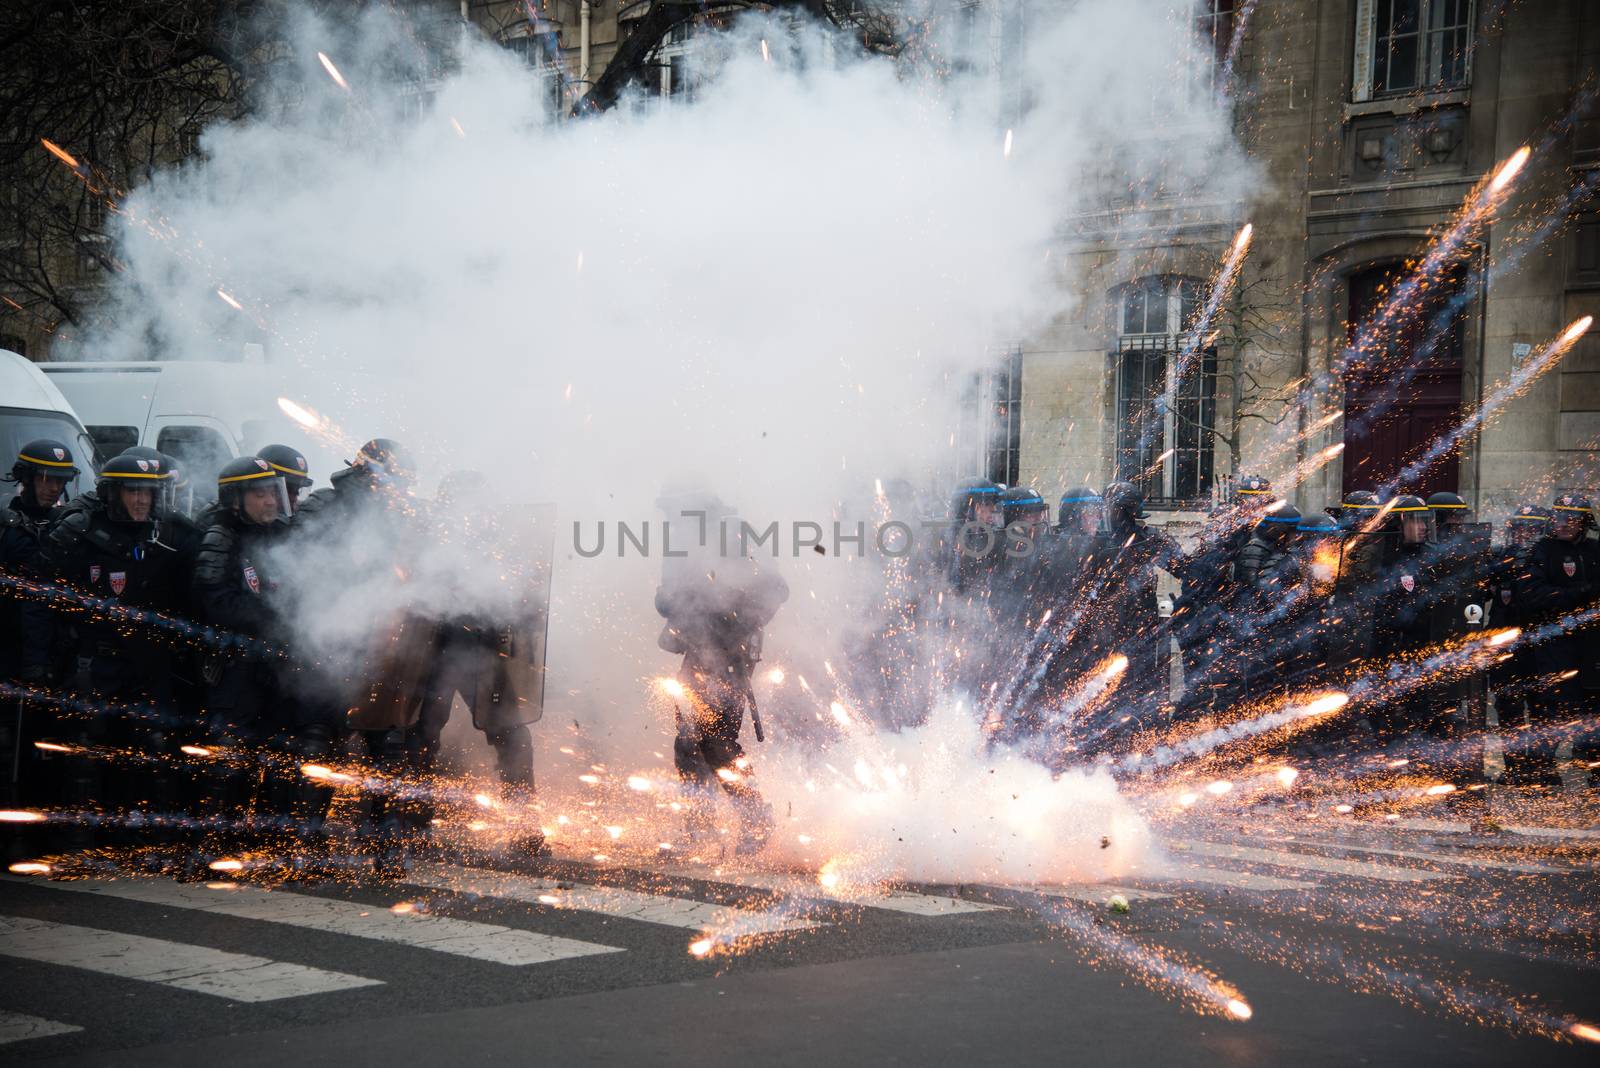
(1509, 169)
(333, 72)
(59, 153)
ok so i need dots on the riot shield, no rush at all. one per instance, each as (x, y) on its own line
(394, 674)
(512, 694)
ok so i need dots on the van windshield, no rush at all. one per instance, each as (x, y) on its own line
(18, 426)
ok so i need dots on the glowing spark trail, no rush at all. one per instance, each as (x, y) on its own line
(333, 72)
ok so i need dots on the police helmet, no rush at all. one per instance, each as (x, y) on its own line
(1252, 488)
(288, 462)
(1533, 515)
(1448, 508)
(1570, 503)
(144, 452)
(1279, 521)
(1317, 525)
(1124, 498)
(968, 492)
(44, 456)
(167, 490)
(1357, 507)
(1074, 503)
(387, 454)
(133, 472)
(239, 477)
(1019, 502)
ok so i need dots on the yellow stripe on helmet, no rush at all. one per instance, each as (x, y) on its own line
(246, 478)
(45, 463)
(130, 474)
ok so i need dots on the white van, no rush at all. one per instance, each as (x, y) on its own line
(204, 413)
(31, 407)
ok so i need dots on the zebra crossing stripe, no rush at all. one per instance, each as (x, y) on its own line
(1088, 893)
(17, 1026)
(606, 900)
(905, 901)
(1456, 827)
(1480, 863)
(201, 970)
(462, 938)
(1237, 880)
(1310, 862)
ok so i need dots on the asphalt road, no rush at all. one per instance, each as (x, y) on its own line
(1409, 942)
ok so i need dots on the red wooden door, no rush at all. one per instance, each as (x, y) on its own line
(1404, 391)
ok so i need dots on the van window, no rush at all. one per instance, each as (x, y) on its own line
(109, 441)
(18, 426)
(202, 452)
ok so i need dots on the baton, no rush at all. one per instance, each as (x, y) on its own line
(755, 713)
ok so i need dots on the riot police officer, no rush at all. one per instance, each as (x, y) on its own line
(366, 522)
(109, 550)
(1561, 578)
(1134, 554)
(1266, 575)
(1021, 572)
(42, 471)
(1200, 617)
(1424, 721)
(715, 619)
(236, 590)
(1512, 677)
(975, 545)
(472, 660)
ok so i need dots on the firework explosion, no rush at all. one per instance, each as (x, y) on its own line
(964, 740)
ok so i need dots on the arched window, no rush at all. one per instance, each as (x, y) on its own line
(1166, 397)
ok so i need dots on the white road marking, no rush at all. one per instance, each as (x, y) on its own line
(797, 886)
(235, 976)
(1482, 863)
(1088, 893)
(606, 900)
(462, 938)
(1238, 880)
(16, 1026)
(1454, 827)
(1310, 862)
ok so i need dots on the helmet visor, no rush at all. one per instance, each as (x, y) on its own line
(260, 498)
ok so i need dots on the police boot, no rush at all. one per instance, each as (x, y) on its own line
(755, 820)
(386, 825)
(513, 756)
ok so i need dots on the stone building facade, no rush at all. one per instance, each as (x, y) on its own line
(1373, 121)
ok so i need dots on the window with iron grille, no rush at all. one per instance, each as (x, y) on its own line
(1403, 46)
(1165, 411)
(1003, 456)
(1214, 21)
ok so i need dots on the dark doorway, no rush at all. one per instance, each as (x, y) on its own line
(1403, 386)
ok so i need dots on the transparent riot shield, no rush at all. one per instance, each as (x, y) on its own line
(511, 692)
(394, 674)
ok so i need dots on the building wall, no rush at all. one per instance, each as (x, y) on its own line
(1350, 184)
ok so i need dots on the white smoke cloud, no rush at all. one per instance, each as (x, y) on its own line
(777, 291)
